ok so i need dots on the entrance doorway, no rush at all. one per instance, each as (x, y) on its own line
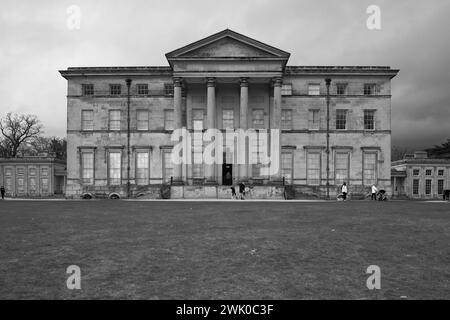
(227, 174)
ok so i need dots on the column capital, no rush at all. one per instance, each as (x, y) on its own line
(177, 82)
(244, 82)
(277, 82)
(211, 82)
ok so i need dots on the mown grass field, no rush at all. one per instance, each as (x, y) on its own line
(224, 250)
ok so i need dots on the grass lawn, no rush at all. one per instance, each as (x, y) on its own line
(224, 250)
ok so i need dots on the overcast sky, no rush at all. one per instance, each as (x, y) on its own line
(414, 37)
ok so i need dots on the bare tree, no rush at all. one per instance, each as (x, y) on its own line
(18, 129)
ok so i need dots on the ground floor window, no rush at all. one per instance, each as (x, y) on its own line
(87, 167)
(167, 165)
(416, 186)
(32, 185)
(115, 167)
(440, 186)
(286, 166)
(142, 170)
(341, 167)
(45, 188)
(313, 168)
(428, 186)
(370, 168)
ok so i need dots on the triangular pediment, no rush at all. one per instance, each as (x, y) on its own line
(230, 45)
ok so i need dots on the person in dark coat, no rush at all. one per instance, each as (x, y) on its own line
(242, 190)
(2, 191)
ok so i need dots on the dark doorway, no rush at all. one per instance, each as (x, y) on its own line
(227, 174)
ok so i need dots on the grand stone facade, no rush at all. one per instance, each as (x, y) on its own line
(225, 81)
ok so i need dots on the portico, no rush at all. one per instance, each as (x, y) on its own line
(235, 73)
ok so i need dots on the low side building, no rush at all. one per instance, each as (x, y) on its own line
(33, 177)
(419, 177)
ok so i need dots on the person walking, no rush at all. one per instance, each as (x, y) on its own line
(374, 192)
(242, 190)
(344, 191)
(2, 191)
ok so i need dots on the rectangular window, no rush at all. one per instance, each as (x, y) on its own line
(198, 119)
(168, 89)
(44, 172)
(228, 119)
(428, 186)
(115, 168)
(286, 89)
(440, 172)
(341, 88)
(257, 146)
(314, 120)
(416, 172)
(370, 169)
(286, 119)
(168, 120)
(142, 119)
(87, 120)
(142, 170)
(33, 185)
(314, 89)
(115, 89)
(142, 88)
(20, 171)
(313, 168)
(286, 166)
(416, 186)
(167, 165)
(341, 119)
(369, 119)
(197, 170)
(428, 172)
(20, 185)
(87, 167)
(440, 186)
(258, 118)
(114, 120)
(45, 187)
(341, 167)
(369, 89)
(32, 172)
(87, 89)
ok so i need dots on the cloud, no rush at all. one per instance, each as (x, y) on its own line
(36, 43)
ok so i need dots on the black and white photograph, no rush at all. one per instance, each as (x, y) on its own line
(224, 156)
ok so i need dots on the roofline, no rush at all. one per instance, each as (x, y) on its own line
(289, 70)
(423, 161)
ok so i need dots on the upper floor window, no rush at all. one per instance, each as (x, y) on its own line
(440, 172)
(228, 119)
(168, 120)
(168, 89)
(369, 89)
(428, 172)
(314, 119)
(87, 120)
(286, 119)
(258, 118)
(198, 118)
(314, 89)
(369, 119)
(416, 172)
(286, 89)
(87, 89)
(142, 119)
(142, 88)
(341, 88)
(114, 119)
(115, 89)
(341, 119)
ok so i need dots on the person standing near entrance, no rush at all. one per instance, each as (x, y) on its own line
(2, 191)
(344, 191)
(242, 190)
(374, 192)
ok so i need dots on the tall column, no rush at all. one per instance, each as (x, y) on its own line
(211, 124)
(276, 122)
(243, 124)
(178, 124)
